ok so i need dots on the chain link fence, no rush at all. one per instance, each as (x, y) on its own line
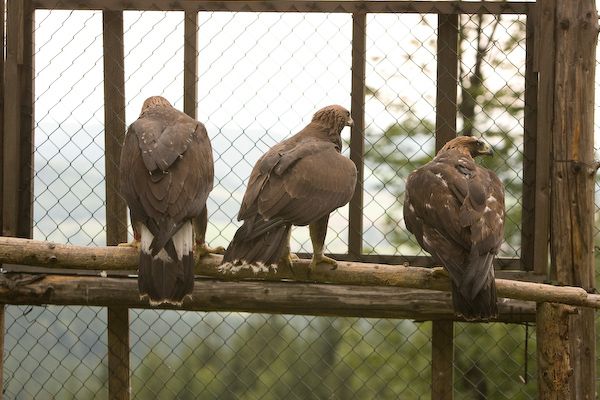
(261, 76)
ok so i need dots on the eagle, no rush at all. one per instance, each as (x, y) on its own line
(455, 209)
(299, 181)
(166, 174)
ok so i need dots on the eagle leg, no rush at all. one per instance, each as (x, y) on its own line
(135, 243)
(200, 222)
(204, 249)
(318, 231)
(288, 257)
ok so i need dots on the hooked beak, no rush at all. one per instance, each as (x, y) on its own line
(350, 122)
(486, 150)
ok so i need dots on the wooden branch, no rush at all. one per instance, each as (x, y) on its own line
(338, 6)
(250, 296)
(46, 254)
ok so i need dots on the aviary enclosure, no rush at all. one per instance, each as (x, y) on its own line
(519, 74)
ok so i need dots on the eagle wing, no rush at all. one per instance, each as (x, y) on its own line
(455, 208)
(166, 171)
(299, 183)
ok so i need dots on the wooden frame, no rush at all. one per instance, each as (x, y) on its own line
(548, 35)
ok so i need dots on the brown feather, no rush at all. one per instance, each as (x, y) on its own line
(296, 182)
(166, 174)
(455, 209)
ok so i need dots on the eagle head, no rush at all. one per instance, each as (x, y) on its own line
(468, 145)
(154, 101)
(334, 117)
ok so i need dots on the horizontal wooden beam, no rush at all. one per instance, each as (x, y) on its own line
(250, 296)
(348, 6)
(39, 253)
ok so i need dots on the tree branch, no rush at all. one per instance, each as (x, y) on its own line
(46, 254)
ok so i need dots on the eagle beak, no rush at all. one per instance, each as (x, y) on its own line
(486, 150)
(350, 122)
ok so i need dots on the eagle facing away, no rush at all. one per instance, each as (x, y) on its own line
(299, 181)
(166, 174)
(455, 209)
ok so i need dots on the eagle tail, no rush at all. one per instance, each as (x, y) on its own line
(258, 242)
(482, 307)
(168, 276)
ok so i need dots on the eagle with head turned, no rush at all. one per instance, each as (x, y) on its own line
(455, 209)
(166, 174)
(299, 181)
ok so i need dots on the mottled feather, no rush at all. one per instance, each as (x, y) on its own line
(455, 209)
(166, 174)
(297, 182)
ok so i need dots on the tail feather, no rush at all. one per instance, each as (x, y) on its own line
(482, 307)
(168, 276)
(258, 242)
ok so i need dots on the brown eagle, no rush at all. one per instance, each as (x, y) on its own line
(299, 181)
(455, 208)
(166, 174)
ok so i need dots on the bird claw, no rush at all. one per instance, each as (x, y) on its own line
(322, 259)
(134, 244)
(203, 249)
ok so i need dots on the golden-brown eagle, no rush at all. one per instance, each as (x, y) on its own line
(455, 209)
(299, 181)
(166, 174)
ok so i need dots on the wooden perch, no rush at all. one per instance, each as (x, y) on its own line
(46, 254)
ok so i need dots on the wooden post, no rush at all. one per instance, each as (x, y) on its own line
(190, 63)
(27, 124)
(442, 356)
(543, 64)
(554, 358)
(2, 58)
(529, 148)
(573, 172)
(116, 210)
(12, 121)
(357, 140)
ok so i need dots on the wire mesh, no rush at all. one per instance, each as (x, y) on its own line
(260, 78)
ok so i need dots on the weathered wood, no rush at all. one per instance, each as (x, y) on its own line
(250, 296)
(33, 252)
(27, 124)
(118, 352)
(529, 147)
(573, 173)
(447, 79)
(553, 356)
(347, 6)
(544, 64)
(190, 63)
(442, 360)
(116, 209)
(442, 352)
(357, 140)
(2, 62)
(114, 124)
(12, 120)
(2, 330)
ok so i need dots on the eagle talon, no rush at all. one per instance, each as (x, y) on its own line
(134, 243)
(439, 272)
(322, 259)
(288, 261)
(203, 249)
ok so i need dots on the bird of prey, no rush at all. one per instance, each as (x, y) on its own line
(166, 174)
(299, 181)
(455, 209)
